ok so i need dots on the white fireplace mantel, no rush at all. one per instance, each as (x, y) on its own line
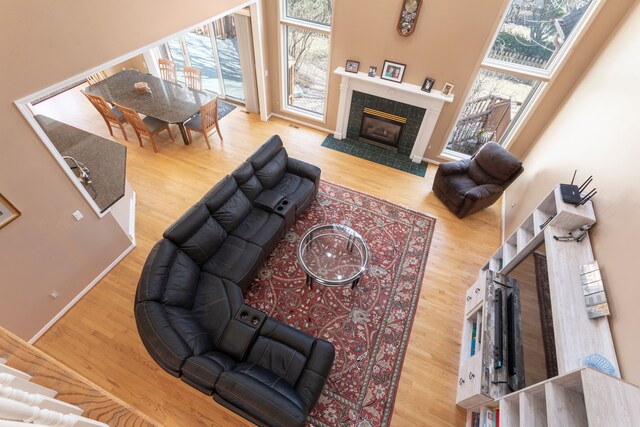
(400, 92)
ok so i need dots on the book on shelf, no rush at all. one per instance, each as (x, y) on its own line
(475, 419)
(473, 338)
(490, 417)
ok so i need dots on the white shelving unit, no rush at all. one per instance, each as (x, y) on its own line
(584, 397)
(571, 398)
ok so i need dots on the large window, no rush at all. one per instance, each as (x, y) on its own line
(306, 28)
(527, 49)
(213, 49)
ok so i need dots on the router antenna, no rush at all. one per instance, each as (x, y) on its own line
(574, 176)
(588, 197)
(586, 183)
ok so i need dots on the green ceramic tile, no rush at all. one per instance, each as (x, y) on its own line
(402, 109)
(357, 98)
(417, 113)
(359, 152)
(362, 144)
(372, 155)
(387, 161)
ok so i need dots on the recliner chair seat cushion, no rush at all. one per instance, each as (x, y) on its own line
(203, 371)
(295, 188)
(262, 394)
(261, 228)
(187, 326)
(236, 260)
(456, 188)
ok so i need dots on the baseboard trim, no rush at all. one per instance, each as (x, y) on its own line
(433, 162)
(82, 293)
(300, 122)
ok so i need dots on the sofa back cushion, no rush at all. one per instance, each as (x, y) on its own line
(169, 276)
(493, 165)
(216, 302)
(270, 162)
(197, 234)
(247, 180)
(228, 205)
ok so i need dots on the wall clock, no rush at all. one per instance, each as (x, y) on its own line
(408, 16)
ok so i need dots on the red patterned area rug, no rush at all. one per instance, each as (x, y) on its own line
(369, 325)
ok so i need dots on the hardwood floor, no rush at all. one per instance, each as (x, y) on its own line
(96, 403)
(98, 337)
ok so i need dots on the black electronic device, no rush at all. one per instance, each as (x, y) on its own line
(498, 344)
(572, 194)
(511, 338)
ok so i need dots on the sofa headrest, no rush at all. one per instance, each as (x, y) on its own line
(496, 161)
(197, 234)
(266, 152)
(247, 180)
(270, 162)
(227, 204)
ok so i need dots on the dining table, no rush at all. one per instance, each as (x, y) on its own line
(167, 101)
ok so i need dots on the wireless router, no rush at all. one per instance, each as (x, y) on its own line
(572, 194)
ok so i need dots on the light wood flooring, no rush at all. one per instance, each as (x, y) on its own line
(98, 337)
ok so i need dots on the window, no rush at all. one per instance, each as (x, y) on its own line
(306, 28)
(213, 49)
(527, 49)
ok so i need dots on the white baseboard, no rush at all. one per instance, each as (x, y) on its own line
(81, 294)
(300, 122)
(433, 162)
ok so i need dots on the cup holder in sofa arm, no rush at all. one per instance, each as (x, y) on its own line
(287, 211)
(241, 332)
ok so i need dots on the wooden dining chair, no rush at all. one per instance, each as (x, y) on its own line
(193, 78)
(147, 127)
(167, 70)
(96, 77)
(111, 115)
(205, 120)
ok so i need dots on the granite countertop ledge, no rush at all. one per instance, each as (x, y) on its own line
(105, 159)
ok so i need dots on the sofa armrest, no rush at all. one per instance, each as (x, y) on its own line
(305, 170)
(452, 168)
(484, 191)
(316, 372)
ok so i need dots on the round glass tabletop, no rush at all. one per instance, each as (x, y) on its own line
(333, 255)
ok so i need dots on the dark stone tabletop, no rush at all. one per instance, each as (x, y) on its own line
(170, 102)
(105, 159)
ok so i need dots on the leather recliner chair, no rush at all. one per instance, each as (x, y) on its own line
(470, 185)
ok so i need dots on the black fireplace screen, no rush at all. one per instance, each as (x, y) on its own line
(381, 127)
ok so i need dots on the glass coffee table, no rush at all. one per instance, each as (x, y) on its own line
(333, 255)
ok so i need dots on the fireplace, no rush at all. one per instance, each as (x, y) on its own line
(381, 129)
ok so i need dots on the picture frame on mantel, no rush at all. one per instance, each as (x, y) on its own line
(447, 89)
(8, 212)
(352, 66)
(428, 84)
(393, 71)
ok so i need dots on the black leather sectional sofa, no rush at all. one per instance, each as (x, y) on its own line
(189, 306)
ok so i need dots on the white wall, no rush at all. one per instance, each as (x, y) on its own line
(597, 131)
